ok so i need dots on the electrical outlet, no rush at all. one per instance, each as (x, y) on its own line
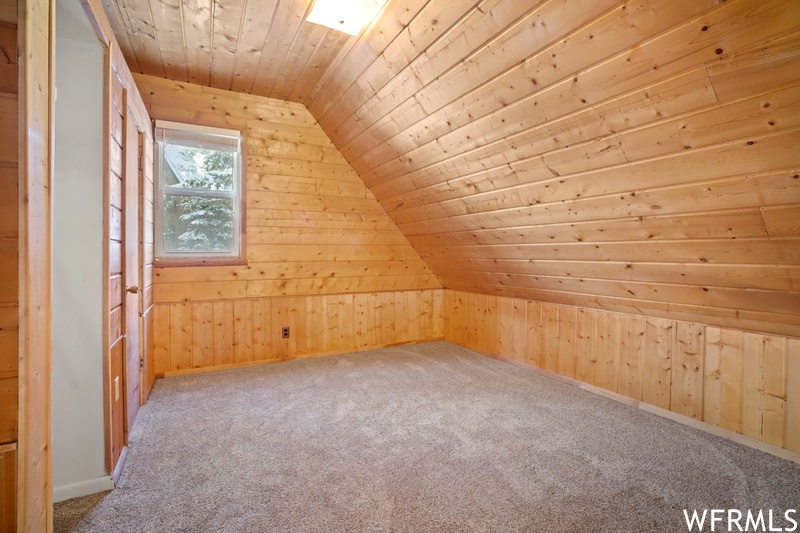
(285, 332)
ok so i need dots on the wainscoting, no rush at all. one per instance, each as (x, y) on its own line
(744, 382)
(199, 336)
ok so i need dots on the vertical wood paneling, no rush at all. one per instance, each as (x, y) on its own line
(455, 317)
(298, 336)
(331, 318)
(793, 395)
(202, 334)
(243, 331)
(426, 314)
(180, 336)
(262, 326)
(491, 323)
(362, 329)
(35, 38)
(9, 274)
(400, 313)
(318, 315)
(471, 318)
(505, 322)
(535, 337)
(223, 333)
(8, 488)
(437, 313)
(687, 370)
(586, 346)
(764, 415)
(519, 348)
(632, 342)
(414, 316)
(723, 378)
(345, 319)
(743, 382)
(9, 392)
(550, 337)
(206, 335)
(657, 364)
(567, 342)
(280, 319)
(161, 339)
(608, 344)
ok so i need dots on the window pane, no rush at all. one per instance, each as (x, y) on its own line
(198, 168)
(198, 224)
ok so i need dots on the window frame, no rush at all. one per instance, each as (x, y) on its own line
(162, 258)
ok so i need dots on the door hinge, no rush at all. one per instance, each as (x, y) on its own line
(141, 363)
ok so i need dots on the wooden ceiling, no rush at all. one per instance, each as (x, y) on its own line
(262, 47)
(638, 156)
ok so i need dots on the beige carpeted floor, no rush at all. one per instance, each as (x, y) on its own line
(430, 437)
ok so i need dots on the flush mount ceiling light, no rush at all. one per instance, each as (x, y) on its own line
(348, 16)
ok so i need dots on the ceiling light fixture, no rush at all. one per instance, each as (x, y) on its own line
(348, 16)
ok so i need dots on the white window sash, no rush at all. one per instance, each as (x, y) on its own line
(162, 190)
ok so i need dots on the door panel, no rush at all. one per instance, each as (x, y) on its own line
(147, 374)
(131, 269)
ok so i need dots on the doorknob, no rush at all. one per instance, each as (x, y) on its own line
(133, 289)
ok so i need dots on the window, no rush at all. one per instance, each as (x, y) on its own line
(198, 199)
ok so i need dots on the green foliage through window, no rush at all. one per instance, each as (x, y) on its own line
(199, 186)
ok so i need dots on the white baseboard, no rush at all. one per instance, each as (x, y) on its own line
(82, 488)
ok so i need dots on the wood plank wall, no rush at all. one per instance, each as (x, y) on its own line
(263, 47)
(312, 230)
(36, 39)
(146, 258)
(115, 362)
(192, 336)
(122, 96)
(9, 274)
(636, 156)
(744, 382)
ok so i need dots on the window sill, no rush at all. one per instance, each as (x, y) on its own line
(172, 262)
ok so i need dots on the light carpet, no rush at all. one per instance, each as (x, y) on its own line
(429, 437)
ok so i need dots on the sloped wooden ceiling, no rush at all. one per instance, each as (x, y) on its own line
(262, 47)
(638, 156)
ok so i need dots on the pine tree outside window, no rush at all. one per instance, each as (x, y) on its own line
(198, 192)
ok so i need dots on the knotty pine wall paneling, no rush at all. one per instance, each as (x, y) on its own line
(740, 381)
(323, 258)
(9, 237)
(9, 274)
(636, 157)
(114, 367)
(146, 259)
(196, 336)
(36, 27)
(120, 90)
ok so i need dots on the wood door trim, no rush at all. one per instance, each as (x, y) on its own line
(132, 135)
(107, 379)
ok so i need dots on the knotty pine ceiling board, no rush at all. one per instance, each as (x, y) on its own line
(638, 156)
(635, 156)
(262, 47)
